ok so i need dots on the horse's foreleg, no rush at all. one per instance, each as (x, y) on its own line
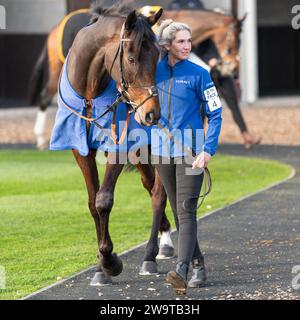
(111, 263)
(89, 170)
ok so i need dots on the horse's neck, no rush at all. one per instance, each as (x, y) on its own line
(203, 23)
(86, 68)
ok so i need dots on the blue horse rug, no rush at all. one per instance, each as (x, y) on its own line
(70, 131)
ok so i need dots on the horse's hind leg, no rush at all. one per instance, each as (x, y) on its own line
(159, 202)
(88, 167)
(160, 222)
(111, 263)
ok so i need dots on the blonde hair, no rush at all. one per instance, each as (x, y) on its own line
(167, 32)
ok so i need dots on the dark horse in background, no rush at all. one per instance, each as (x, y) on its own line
(223, 29)
(119, 43)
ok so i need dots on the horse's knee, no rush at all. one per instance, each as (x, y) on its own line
(93, 210)
(147, 184)
(159, 198)
(104, 202)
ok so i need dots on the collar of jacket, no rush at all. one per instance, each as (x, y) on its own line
(178, 64)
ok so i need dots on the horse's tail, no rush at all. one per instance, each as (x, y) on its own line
(37, 77)
(129, 167)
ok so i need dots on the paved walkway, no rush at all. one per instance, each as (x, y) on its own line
(250, 248)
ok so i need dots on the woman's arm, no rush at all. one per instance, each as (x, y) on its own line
(213, 110)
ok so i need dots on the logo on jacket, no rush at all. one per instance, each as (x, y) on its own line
(183, 81)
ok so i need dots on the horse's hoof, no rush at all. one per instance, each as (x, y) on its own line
(165, 252)
(42, 147)
(148, 268)
(113, 265)
(101, 279)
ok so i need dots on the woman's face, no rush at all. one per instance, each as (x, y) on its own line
(181, 46)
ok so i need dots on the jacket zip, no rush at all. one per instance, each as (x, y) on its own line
(169, 97)
(163, 92)
(193, 141)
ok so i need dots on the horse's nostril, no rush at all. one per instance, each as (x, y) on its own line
(150, 118)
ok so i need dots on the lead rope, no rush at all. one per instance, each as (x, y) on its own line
(111, 108)
(207, 181)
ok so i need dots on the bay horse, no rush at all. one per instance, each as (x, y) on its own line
(223, 29)
(118, 44)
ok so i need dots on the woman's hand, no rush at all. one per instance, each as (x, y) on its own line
(201, 160)
(213, 62)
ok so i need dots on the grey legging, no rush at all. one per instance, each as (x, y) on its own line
(183, 192)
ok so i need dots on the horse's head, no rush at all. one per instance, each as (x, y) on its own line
(227, 41)
(135, 66)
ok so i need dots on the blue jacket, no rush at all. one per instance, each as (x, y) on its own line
(183, 88)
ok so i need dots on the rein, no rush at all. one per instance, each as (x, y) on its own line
(153, 91)
(111, 108)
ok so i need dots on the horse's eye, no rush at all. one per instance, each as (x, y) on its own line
(131, 60)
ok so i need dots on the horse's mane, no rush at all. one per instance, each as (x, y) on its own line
(142, 29)
(98, 8)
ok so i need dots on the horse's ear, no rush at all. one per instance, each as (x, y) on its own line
(130, 21)
(153, 19)
(243, 19)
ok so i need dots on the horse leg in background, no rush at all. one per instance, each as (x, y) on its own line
(88, 167)
(41, 119)
(46, 97)
(152, 184)
(111, 263)
(51, 65)
(227, 88)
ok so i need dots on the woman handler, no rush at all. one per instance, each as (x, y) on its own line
(183, 88)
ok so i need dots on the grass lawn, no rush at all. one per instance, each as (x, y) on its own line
(47, 233)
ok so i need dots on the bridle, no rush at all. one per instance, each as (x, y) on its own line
(123, 94)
